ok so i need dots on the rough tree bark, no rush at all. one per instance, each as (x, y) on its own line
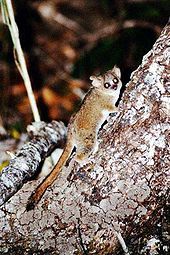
(123, 188)
(24, 165)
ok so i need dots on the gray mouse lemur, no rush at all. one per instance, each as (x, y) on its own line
(83, 127)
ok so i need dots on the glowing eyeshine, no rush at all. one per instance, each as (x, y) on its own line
(107, 85)
(115, 80)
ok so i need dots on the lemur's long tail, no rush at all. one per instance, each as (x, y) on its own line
(40, 190)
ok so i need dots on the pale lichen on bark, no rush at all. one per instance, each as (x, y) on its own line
(120, 188)
(23, 166)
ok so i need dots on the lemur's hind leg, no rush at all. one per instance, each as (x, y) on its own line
(85, 148)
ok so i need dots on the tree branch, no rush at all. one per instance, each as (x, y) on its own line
(24, 165)
(121, 192)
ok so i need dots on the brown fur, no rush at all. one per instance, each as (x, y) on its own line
(84, 126)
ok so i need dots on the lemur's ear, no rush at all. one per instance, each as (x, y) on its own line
(96, 80)
(117, 71)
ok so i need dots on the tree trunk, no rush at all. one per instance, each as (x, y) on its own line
(123, 189)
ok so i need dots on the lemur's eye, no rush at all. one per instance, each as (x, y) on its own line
(107, 85)
(115, 80)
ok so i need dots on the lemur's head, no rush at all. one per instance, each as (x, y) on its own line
(108, 82)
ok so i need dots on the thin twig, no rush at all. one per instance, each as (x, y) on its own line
(80, 240)
(122, 243)
(9, 20)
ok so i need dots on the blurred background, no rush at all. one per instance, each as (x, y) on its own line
(65, 42)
